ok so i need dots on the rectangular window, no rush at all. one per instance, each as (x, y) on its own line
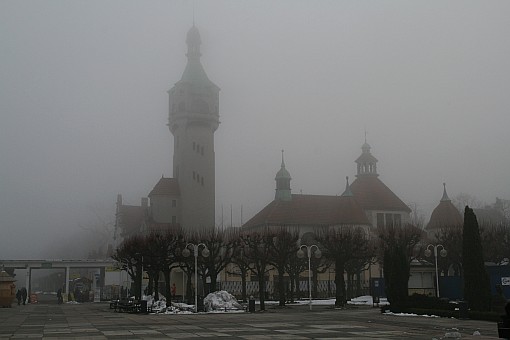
(174, 219)
(380, 220)
(174, 203)
(389, 219)
(397, 220)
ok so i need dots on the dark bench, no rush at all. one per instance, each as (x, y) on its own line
(130, 306)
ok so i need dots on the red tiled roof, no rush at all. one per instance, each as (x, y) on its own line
(310, 210)
(445, 215)
(166, 186)
(373, 194)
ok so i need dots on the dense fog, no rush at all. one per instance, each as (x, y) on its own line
(84, 106)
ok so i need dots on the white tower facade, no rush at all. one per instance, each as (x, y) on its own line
(193, 119)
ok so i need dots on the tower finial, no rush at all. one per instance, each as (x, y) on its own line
(283, 162)
(193, 13)
(365, 134)
(445, 195)
(347, 192)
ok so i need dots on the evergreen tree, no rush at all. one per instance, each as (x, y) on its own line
(396, 273)
(476, 280)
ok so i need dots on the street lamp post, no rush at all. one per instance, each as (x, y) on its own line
(301, 254)
(205, 253)
(443, 253)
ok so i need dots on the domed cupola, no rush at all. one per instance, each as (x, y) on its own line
(445, 215)
(283, 192)
(367, 164)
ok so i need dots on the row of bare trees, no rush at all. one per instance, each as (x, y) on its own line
(348, 250)
(495, 239)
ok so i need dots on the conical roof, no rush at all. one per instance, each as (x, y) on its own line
(283, 173)
(445, 215)
(194, 72)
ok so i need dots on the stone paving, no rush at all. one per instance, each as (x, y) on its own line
(97, 321)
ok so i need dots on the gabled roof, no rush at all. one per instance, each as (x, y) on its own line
(318, 210)
(166, 187)
(372, 194)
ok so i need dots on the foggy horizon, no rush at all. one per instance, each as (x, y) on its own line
(84, 104)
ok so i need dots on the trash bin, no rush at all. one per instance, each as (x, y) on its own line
(463, 310)
(143, 306)
(200, 302)
(251, 305)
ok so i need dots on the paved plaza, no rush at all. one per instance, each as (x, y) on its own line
(97, 321)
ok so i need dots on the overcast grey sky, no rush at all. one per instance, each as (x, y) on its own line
(83, 103)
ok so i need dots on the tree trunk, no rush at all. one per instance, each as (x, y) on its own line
(156, 285)
(281, 288)
(189, 289)
(214, 276)
(292, 283)
(168, 291)
(243, 284)
(262, 292)
(340, 283)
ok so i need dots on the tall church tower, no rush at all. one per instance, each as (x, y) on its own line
(193, 119)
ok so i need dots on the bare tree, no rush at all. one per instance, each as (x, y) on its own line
(341, 245)
(282, 246)
(258, 257)
(240, 260)
(129, 258)
(221, 248)
(295, 266)
(451, 238)
(397, 246)
(496, 242)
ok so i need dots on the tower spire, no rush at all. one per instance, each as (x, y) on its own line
(283, 192)
(445, 197)
(347, 192)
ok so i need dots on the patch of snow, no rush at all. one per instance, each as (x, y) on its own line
(367, 300)
(221, 301)
(411, 314)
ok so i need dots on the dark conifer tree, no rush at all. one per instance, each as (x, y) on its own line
(477, 289)
(396, 273)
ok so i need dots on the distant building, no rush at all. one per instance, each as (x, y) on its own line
(188, 199)
(381, 205)
(367, 203)
(444, 215)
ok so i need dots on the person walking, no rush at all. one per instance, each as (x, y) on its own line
(24, 295)
(18, 296)
(59, 296)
